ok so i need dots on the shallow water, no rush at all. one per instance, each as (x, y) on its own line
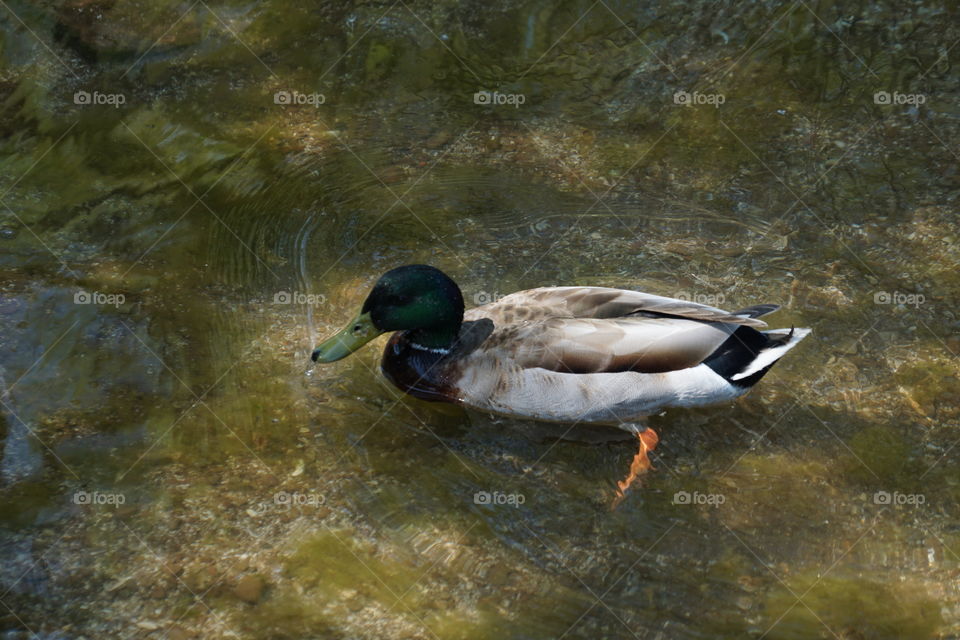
(173, 249)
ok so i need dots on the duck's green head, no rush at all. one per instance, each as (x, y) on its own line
(416, 298)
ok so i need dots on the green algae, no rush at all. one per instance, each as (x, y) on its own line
(853, 607)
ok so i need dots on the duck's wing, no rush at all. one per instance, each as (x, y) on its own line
(591, 345)
(604, 303)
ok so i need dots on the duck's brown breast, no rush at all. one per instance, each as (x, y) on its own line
(427, 374)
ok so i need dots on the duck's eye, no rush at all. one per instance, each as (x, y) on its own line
(357, 328)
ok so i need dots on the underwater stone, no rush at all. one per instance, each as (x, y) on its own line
(249, 588)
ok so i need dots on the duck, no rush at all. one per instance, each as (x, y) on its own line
(579, 355)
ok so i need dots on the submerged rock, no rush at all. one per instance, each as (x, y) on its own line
(98, 29)
(250, 588)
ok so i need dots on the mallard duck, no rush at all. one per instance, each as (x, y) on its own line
(563, 354)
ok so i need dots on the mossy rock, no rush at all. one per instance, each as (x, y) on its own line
(850, 608)
(107, 29)
(877, 454)
(928, 381)
(380, 59)
(290, 615)
(774, 492)
(333, 562)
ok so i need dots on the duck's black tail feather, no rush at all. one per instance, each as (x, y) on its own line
(748, 354)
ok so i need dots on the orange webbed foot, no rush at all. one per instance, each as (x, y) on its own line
(640, 464)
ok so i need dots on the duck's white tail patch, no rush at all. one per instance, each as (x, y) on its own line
(768, 356)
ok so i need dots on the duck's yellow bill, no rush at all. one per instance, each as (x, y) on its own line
(352, 337)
